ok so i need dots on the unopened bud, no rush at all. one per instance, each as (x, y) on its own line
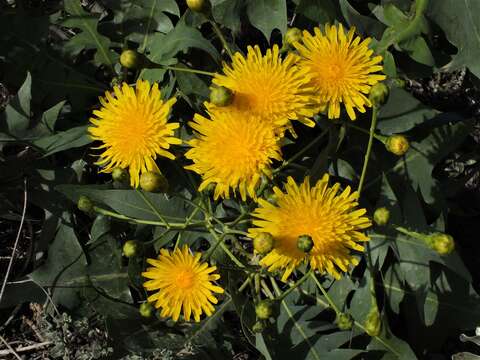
(264, 309)
(344, 321)
(131, 59)
(258, 327)
(397, 144)
(305, 243)
(197, 5)
(120, 175)
(146, 310)
(85, 204)
(381, 216)
(442, 243)
(130, 248)
(220, 96)
(373, 322)
(263, 243)
(292, 36)
(153, 182)
(379, 94)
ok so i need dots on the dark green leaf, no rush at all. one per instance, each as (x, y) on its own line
(267, 15)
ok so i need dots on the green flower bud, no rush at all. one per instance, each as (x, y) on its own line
(442, 243)
(130, 248)
(373, 322)
(305, 243)
(379, 94)
(263, 243)
(258, 327)
(381, 216)
(146, 310)
(220, 96)
(131, 59)
(397, 144)
(293, 35)
(120, 175)
(344, 321)
(264, 309)
(399, 83)
(197, 5)
(85, 204)
(153, 182)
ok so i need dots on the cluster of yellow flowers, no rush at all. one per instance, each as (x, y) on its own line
(235, 145)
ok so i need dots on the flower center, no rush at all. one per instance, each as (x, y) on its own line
(184, 279)
(334, 73)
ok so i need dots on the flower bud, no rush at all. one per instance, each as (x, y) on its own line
(153, 182)
(373, 322)
(258, 327)
(263, 243)
(196, 5)
(397, 144)
(379, 94)
(85, 204)
(381, 216)
(399, 83)
(130, 248)
(146, 309)
(220, 96)
(442, 243)
(292, 35)
(264, 309)
(305, 243)
(344, 321)
(131, 59)
(120, 175)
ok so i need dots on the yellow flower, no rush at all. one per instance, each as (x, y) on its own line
(342, 68)
(132, 124)
(269, 87)
(184, 284)
(320, 212)
(232, 151)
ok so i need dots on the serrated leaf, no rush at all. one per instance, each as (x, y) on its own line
(88, 38)
(267, 15)
(366, 26)
(459, 21)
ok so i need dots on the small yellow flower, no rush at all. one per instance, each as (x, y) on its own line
(329, 218)
(268, 86)
(132, 124)
(233, 152)
(342, 68)
(184, 284)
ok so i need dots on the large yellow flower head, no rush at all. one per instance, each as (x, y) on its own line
(232, 151)
(132, 124)
(342, 68)
(320, 212)
(184, 284)
(268, 86)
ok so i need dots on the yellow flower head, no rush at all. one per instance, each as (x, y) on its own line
(232, 151)
(269, 87)
(184, 284)
(342, 68)
(132, 124)
(329, 218)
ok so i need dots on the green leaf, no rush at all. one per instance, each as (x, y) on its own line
(396, 348)
(402, 112)
(88, 38)
(17, 112)
(267, 15)
(459, 21)
(228, 13)
(367, 26)
(66, 261)
(320, 12)
(418, 50)
(64, 140)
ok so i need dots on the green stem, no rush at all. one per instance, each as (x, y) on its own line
(153, 207)
(188, 70)
(373, 125)
(295, 285)
(381, 138)
(325, 294)
(302, 151)
(410, 233)
(222, 38)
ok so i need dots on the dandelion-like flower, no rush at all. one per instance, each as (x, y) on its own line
(320, 212)
(268, 86)
(132, 124)
(342, 68)
(232, 151)
(185, 285)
